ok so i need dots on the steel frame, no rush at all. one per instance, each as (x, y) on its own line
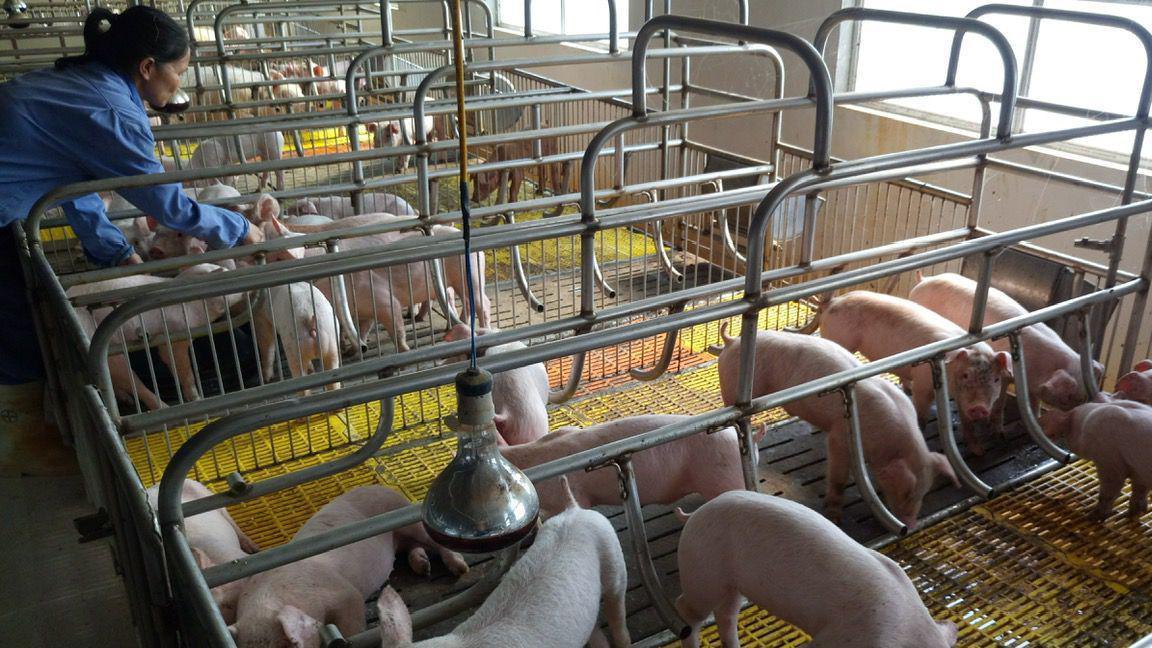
(758, 292)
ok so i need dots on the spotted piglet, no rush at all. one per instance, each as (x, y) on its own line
(839, 592)
(1053, 368)
(879, 326)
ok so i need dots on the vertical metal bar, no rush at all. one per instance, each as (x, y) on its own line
(981, 165)
(1131, 337)
(948, 434)
(1026, 65)
(665, 104)
(386, 22)
(643, 554)
(1023, 402)
(983, 283)
(860, 470)
(811, 204)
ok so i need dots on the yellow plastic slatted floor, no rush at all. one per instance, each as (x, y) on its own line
(1025, 569)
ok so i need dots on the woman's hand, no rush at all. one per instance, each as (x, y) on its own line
(255, 235)
(132, 260)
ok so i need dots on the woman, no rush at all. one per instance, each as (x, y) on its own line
(85, 120)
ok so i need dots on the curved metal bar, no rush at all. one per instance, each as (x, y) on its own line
(749, 454)
(646, 375)
(1023, 402)
(642, 552)
(566, 392)
(665, 260)
(860, 470)
(1100, 20)
(605, 287)
(518, 273)
(809, 56)
(357, 63)
(1087, 371)
(171, 512)
(726, 236)
(960, 25)
(948, 433)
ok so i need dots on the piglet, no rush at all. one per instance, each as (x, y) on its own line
(519, 396)
(215, 539)
(797, 566)
(337, 207)
(548, 175)
(221, 151)
(879, 326)
(550, 597)
(708, 464)
(1117, 436)
(381, 294)
(168, 243)
(1053, 368)
(137, 231)
(155, 326)
(287, 606)
(894, 449)
(401, 132)
(1136, 385)
(302, 317)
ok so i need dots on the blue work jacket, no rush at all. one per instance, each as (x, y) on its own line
(87, 122)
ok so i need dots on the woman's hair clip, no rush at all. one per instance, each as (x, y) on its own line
(104, 25)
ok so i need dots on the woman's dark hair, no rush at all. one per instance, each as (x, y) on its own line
(122, 41)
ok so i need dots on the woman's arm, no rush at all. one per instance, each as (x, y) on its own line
(104, 244)
(128, 149)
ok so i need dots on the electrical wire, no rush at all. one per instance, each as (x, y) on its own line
(465, 210)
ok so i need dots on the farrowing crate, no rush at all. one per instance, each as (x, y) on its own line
(867, 187)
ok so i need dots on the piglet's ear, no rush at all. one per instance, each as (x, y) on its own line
(301, 630)
(152, 223)
(395, 620)
(1004, 362)
(267, 208)
(1143, 365)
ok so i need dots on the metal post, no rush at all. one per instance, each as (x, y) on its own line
(983, 284)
